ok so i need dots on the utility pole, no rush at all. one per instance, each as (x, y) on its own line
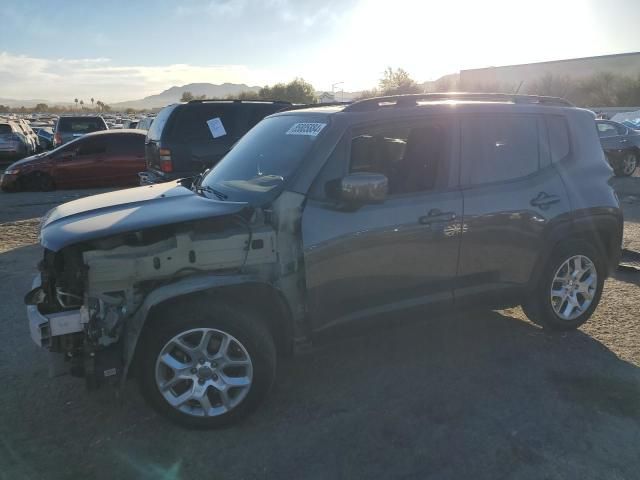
(333, 87)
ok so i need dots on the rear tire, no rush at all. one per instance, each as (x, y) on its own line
(565, 297)
(208, 372)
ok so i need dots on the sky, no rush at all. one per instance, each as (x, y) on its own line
(117, 50)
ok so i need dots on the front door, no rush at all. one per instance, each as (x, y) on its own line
(78, 165)
(396, 254)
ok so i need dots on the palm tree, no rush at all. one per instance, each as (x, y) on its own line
(81, 104)
(76, 100)
(91, 103)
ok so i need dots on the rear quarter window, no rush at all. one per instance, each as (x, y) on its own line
(559, 142)
(4, 129)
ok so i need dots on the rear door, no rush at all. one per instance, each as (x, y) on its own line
(512, 196)
(123, 161)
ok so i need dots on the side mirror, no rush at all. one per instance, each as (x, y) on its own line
(363, 188)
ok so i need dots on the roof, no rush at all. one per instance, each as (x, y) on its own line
(118, 131)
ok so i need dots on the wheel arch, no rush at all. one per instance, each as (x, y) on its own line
(266, 300)
(601, 230)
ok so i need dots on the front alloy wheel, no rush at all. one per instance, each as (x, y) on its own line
(204, 364)
(204, 372)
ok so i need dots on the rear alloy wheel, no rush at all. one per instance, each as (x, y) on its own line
(573, 287)
(569, 289)
(204, 365)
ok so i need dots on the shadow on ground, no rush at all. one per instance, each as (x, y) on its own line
(472, 395)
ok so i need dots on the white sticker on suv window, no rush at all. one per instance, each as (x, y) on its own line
(216, 128)
(311, 129)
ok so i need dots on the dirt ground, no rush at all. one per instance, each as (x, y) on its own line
(482, 395)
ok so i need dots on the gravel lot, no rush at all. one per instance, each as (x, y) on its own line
(471, 395)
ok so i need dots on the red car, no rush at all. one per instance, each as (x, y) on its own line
(100, 159)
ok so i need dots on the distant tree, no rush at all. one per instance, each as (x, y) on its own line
(41, 107)
(130, 111)
(81, 104)
(398, 82)
(246, 95)
(91, 103)
(296, 91)
(374, 92)
(76, 100)
(105, 107)
(186, 97)
(4, 108)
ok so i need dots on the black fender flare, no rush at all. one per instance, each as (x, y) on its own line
(180, 288)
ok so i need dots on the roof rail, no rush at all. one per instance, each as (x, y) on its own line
(413, 100)
(237, 100)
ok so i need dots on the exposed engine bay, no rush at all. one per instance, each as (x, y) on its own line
(89, 290)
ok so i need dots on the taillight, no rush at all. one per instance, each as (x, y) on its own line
(165, 160)
(57, 139)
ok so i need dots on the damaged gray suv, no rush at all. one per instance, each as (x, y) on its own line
(322, 216)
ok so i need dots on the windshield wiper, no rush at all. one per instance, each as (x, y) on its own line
(207, 188)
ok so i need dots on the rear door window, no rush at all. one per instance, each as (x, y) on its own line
(4, 129)
(126, 144)
(497, 148)
(93, 146)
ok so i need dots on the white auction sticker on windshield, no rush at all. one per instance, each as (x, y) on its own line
(310, 129)
(216, 128)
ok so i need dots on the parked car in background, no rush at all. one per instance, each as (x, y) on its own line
(14, 143)
(70, 128)
(319, 217)
(99, 159)
(130, 124)
(621, 145)
(30, 135)
(45, 137)
(145, 123)
(187, 138)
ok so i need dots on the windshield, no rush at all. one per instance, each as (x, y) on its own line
(265, 157)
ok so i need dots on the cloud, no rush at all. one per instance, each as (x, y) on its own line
(63, 79)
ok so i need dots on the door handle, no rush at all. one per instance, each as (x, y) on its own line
(543, 200)
(435, 215)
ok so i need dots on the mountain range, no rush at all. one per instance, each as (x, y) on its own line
(173, 94)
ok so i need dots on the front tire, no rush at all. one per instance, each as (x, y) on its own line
(569, 289)
(206, 366)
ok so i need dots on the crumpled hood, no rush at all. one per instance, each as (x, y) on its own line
(127, 210)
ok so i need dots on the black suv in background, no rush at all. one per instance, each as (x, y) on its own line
(187, 138)
(323, 216)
